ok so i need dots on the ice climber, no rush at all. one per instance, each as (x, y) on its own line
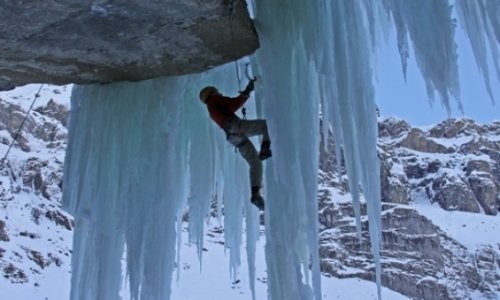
(222, 111)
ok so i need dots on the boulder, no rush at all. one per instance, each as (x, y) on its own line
(452, 128)
(393, 186)
(453, 194)
(393, 128)
(103, 41)
(486, 192)
(3, 235)
(478, 166)
(417, 140)
(56, 111)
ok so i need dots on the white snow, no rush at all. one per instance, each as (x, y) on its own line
(215, 278)
(469, 229)
(24, 95)
(453, 142)
(51, 282)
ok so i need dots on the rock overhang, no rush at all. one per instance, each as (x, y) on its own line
(68, 41)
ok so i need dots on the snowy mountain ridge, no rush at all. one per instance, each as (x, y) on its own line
(440, 193)
(440, 189)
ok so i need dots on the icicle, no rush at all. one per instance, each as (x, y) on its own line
(201, 168)
(491, 12)
(252, 235)
(478, 24)
(429, 25)
(291, 103)
(108, 190)
(126, 181)
(233, 210)
(355, 119)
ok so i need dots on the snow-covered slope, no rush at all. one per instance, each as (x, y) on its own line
(35, 235)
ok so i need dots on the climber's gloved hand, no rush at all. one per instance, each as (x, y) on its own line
(250, 87)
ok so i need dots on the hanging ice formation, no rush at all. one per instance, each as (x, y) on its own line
(139, 154)
(481, 21)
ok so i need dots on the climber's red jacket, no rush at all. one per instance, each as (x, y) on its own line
(222, 108)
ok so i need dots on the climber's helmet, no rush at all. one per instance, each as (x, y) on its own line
(206, 92)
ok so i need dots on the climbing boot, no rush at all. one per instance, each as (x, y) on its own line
(257, 199)
(265, 150)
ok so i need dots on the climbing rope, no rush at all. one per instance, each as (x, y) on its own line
(244, 109)
(37, 95)
(238, 74)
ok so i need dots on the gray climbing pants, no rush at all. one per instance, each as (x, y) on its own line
(238, 132)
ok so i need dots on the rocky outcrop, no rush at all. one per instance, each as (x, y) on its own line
(3, 235)
(46, 123)
(453, 164)
(56, 111)
(104, 41)
(46, 126)
(485, 191)
(11, 118)
(416, 140)
(35, 234)
(394, 185)
(452, 193)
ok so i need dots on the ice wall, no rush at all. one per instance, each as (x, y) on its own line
(429, 25)
(138, 154)
(314, 55)
(319, 56)
(481, 21)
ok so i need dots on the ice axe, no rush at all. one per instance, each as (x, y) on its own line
(247, 73)
(250, 86)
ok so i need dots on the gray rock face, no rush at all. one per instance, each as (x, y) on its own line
(454, 195)
(35, 234)
(50, 130)
(454, 164)
(416, 140)
(3, 235)
(63, 41)
(393, 186)
(418, 259)
(56, 111)
(485, 191)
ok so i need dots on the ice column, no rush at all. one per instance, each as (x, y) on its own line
(290, 103)
(429, 25)
(480, 20)
(138, 154)
(122, 156)
(314, 53)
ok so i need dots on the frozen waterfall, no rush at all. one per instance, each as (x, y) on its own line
(138, 155)
(141, 155)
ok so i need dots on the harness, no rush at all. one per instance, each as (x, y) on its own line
(235, 138)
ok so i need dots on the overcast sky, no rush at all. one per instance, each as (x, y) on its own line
(410, 102)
